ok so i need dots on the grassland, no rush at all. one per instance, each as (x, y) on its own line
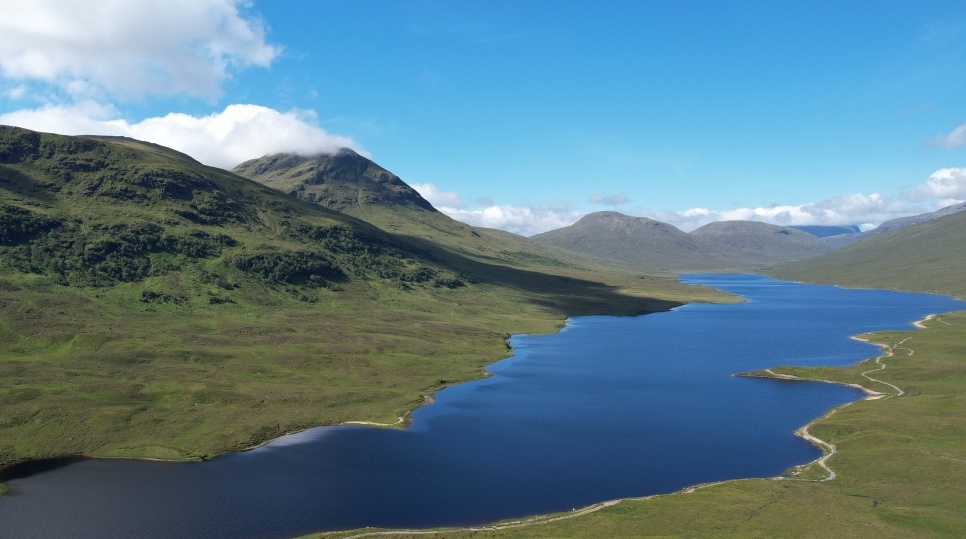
(154, 307)
(900, 465)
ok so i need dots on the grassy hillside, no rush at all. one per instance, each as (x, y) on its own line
(926, 257)
(899, 465)
(343, 181)
(356, 186)
(151, 306)
(353, 184)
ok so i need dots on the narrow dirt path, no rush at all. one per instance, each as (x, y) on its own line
(505, 526)
(828, 450)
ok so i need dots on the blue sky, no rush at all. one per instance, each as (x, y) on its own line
(527, 115)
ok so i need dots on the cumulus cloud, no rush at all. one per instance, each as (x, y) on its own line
(955, 139)
(130, 48)
(942, 188)
(439, 199)
(947, 185)
(616, 199)
(222, 139)
(525, 220)
(857, 208)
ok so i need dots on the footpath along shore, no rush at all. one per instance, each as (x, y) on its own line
(828, 450)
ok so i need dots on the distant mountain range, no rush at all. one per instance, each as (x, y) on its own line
(659, 246)
(718, 246)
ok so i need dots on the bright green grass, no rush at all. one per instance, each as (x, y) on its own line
(901, 465)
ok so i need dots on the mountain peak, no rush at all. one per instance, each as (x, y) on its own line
(344, 181)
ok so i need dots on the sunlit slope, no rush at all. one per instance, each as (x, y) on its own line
(353, 184)
(927, 257)
(153, 306)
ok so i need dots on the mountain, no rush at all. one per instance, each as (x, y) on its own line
(636, 240)
(344, 181)
(354, 185)
(925, 257)
(753, 242)
(893, 224)
(151, 306)
(97, 212)
(654, 245)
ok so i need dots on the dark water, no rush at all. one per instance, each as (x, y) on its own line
(607, 408)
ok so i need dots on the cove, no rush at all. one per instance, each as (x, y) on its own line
(608, 407)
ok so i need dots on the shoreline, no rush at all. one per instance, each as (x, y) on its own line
(828, 450)
(404, 417)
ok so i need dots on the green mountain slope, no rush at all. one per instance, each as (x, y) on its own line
(86, 212)
(355, 185)
(152, 306)
(344, 181)
(927, 257)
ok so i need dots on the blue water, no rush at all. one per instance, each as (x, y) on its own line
(608, 407)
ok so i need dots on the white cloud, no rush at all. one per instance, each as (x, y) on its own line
(955, 139)
(130, 48)
(947, 185)
(525, 220)
(447, 199)
(222, 139)
(16, 92)
(944, 187)
(617, 199)
(849, 209)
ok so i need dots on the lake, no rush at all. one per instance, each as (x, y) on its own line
(609, 407)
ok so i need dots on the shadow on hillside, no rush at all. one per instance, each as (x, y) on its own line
(568, 296)
(26, 187)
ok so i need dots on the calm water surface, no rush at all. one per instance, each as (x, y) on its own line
(607, 408)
